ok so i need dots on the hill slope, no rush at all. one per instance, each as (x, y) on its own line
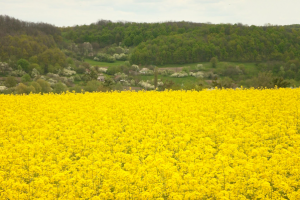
(186, 42)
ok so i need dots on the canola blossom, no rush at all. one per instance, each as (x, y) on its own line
(219, 144)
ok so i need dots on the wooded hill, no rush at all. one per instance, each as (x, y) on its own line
(151, 43)
(39, 43)
(186, 42)
(74, 57)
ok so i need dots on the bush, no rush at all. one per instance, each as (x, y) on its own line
(30, 89)
(127, 63)
(226, 82)
(68, 72)
(92, 86)
(199, 67)
(186, 69)
(17, 73)
(113, 70)
(59, 88)
(232, 71)
(76, 88)
(263, 80)
(10, 81)
(80, 70)
(77, 77)
(37, 87)
(167, 72)
(45, 86)
(197, 74)
(9, 91)
(21, 89)
(118, 87)
(179, 75)
(35, 73)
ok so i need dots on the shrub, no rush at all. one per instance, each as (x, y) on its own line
(92, 86)
(45, 86)
(37, 87)
(80, 70)
(59, 88)
(77, 77)
(10, 81)
(21, 89)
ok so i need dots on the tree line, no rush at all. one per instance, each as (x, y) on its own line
(227, 42)
(186, 42)
(105, 32)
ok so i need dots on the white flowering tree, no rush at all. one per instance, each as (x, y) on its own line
(179, 74)
(146, 85)
(197, 74)
(199, 67)
(120, 56)
(35, 73)
(5, 68)
(2, 88)
(167, 72)
(68, 72)
(102, 70)
(146, 71)
(87, 48)
(135, 67)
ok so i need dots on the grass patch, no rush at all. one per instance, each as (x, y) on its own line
(184, 65)
(250, 68)
(179, 81)
(103, 64)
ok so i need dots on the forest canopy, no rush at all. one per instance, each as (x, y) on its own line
(30, 41)
(150, 43)
(186, 42)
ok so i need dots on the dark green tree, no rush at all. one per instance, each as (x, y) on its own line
(214, 62)
(26, 78)
(24, 64)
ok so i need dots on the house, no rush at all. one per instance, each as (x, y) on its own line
(101, 78)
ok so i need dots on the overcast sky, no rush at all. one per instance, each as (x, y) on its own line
(73, 12)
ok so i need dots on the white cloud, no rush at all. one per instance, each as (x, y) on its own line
(72, 12)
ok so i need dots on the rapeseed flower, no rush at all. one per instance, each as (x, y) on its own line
(218, 144)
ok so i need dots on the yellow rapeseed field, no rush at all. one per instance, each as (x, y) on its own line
(219, 144)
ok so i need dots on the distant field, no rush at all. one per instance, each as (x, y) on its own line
(103, 64)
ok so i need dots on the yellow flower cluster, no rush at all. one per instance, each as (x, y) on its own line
(219, 144)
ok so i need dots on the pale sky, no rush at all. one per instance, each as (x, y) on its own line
(79, 12)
